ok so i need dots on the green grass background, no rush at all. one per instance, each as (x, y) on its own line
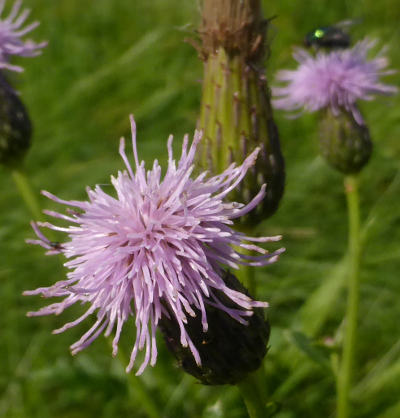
(109, 58)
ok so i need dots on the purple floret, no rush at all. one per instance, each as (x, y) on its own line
(336, 80)
(158, 248)
(11, 32)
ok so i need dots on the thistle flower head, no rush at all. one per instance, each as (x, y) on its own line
(11, 33)
(336, 80)
(158, 248)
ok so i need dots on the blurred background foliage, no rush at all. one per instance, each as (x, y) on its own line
(109, 58)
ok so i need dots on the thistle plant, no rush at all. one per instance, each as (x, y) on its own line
(236, 116)
(236, 113)
(163, 257)
(160, 252)
(334, 83)
(15, 124)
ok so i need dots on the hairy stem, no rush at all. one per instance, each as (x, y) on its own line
(235, 113)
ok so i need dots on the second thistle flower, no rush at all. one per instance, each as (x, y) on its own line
(335, 83)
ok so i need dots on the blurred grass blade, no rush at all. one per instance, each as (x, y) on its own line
(92, 82)
(387, 379)
(385, 372)
(382, 208)
(318, 306)
(391, 412)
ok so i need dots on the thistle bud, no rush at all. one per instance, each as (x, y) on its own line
(344, 143)
(236, 113)
(15, 126)
(229, 350)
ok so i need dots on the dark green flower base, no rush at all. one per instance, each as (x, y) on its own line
(345, 144)
(229, 351)
(15, 126)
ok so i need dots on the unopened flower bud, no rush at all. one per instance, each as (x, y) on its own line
(15, 126)
(229, 350)
(236, 113)
(344, 143)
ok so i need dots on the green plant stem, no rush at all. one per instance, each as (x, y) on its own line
(25, 189)
(246, 275)
(252, 388)
(347, 364)
(253, 394)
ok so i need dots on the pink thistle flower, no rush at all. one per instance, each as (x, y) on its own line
(11, 33)
(158, 248)
(336, 80)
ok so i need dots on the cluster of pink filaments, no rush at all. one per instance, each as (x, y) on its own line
(158, 248)
(11, 33)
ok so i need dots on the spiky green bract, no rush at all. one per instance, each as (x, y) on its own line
(236, 114)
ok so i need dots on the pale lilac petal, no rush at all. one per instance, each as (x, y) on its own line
(11, 33)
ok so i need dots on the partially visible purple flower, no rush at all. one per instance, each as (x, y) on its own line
(336, 80)
(11, 33)
(159, 247)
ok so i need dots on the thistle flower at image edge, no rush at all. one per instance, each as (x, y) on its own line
(160, 248)
(11, 33)
(334, 80)
(15, 124)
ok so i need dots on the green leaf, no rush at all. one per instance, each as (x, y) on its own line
(309, 348)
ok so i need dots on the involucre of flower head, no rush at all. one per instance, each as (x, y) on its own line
(229, 350)
(336, 80)
(15, 126)
(160, 247)
(345, 144)
(11, 33)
